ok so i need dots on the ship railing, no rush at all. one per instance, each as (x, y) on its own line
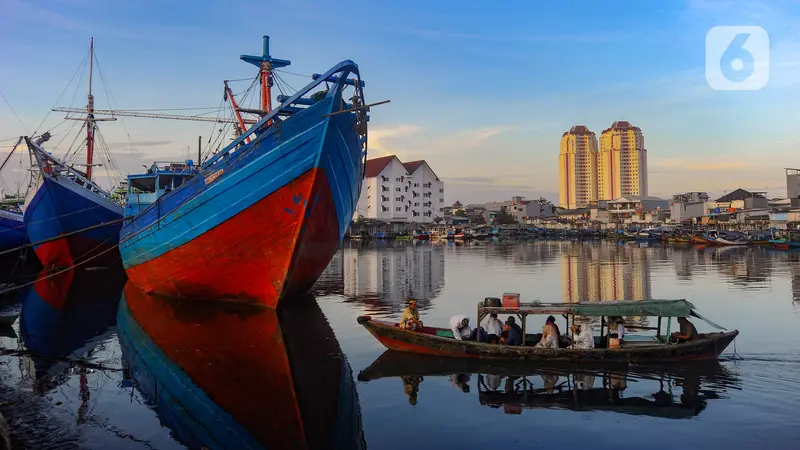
(58, 168)
(338, 75)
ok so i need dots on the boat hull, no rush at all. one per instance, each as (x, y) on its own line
(58, 206)
(394, 338)
(12, 230)
(261, 228)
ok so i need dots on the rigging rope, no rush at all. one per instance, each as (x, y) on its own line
(85, 59)
(13, 112)
(112, 102)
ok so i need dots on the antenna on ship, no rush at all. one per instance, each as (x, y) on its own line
(265, 64)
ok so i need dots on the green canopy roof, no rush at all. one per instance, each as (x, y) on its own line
(651, 308)
(646, 308)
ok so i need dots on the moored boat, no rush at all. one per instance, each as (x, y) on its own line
(421, 235)
(12, 229)
(264, 216)
(68, 217)
(727, 238)
(440, 341)
(12, 223)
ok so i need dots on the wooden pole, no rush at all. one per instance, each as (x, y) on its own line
(658, 333)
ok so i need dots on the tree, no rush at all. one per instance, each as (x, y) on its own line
(504, 219)
(460, 213)
(437, 220)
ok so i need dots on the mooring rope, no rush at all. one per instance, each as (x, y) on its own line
(16, 288)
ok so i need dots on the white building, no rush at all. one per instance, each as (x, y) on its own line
(400, 192)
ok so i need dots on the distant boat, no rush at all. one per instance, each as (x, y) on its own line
(12, 223)
(263, 217)
(12, 229)
(724, 238)
(66, 202)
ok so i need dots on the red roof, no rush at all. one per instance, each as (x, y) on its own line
(579, 130)
(375, 166)
(622, 125)
(412, 166)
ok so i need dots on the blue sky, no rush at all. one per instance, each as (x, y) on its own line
(481, 90)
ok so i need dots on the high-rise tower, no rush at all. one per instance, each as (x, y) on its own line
(577, 168)
(622, 162)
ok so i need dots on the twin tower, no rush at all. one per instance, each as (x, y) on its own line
(618, 168)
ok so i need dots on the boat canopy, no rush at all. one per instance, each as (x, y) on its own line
(647, 308)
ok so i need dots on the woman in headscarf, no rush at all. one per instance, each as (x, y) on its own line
(582, 336)
(549, 336)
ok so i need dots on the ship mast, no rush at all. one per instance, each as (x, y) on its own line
(266, 64)
(90, 117)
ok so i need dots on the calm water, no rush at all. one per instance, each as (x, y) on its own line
(165, 374)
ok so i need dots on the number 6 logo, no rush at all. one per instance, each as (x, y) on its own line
(737, 58)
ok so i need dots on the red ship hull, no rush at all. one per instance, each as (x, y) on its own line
(277, 247)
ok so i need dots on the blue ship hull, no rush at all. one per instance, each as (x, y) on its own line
(59, 206)
(12, 230)
(259, 224)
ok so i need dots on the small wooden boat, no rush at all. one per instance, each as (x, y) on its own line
(440, 341)
(727, 238)
(702, 239)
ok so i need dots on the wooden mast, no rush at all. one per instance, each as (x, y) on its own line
(266, 64)
(90, 117)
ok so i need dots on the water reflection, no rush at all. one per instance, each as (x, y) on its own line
(65, 317)
(657, 391)
(604, 271)
(228, 376)
(383, 274)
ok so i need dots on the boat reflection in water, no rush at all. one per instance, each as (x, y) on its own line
(239, 376)
(65, 316)
(596, 387)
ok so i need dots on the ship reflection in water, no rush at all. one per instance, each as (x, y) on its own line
(601, 387)
(66, 314)
(228, 376)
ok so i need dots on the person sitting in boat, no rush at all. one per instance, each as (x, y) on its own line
(687, 333)
(549, 335)
(494, 329)
(616, 328)
(459, 325)
(512, 335)
(582, 337)
(410, 320)
(552, 322)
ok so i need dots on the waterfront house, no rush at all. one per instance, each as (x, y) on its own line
(638, 209)
(400, 192)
